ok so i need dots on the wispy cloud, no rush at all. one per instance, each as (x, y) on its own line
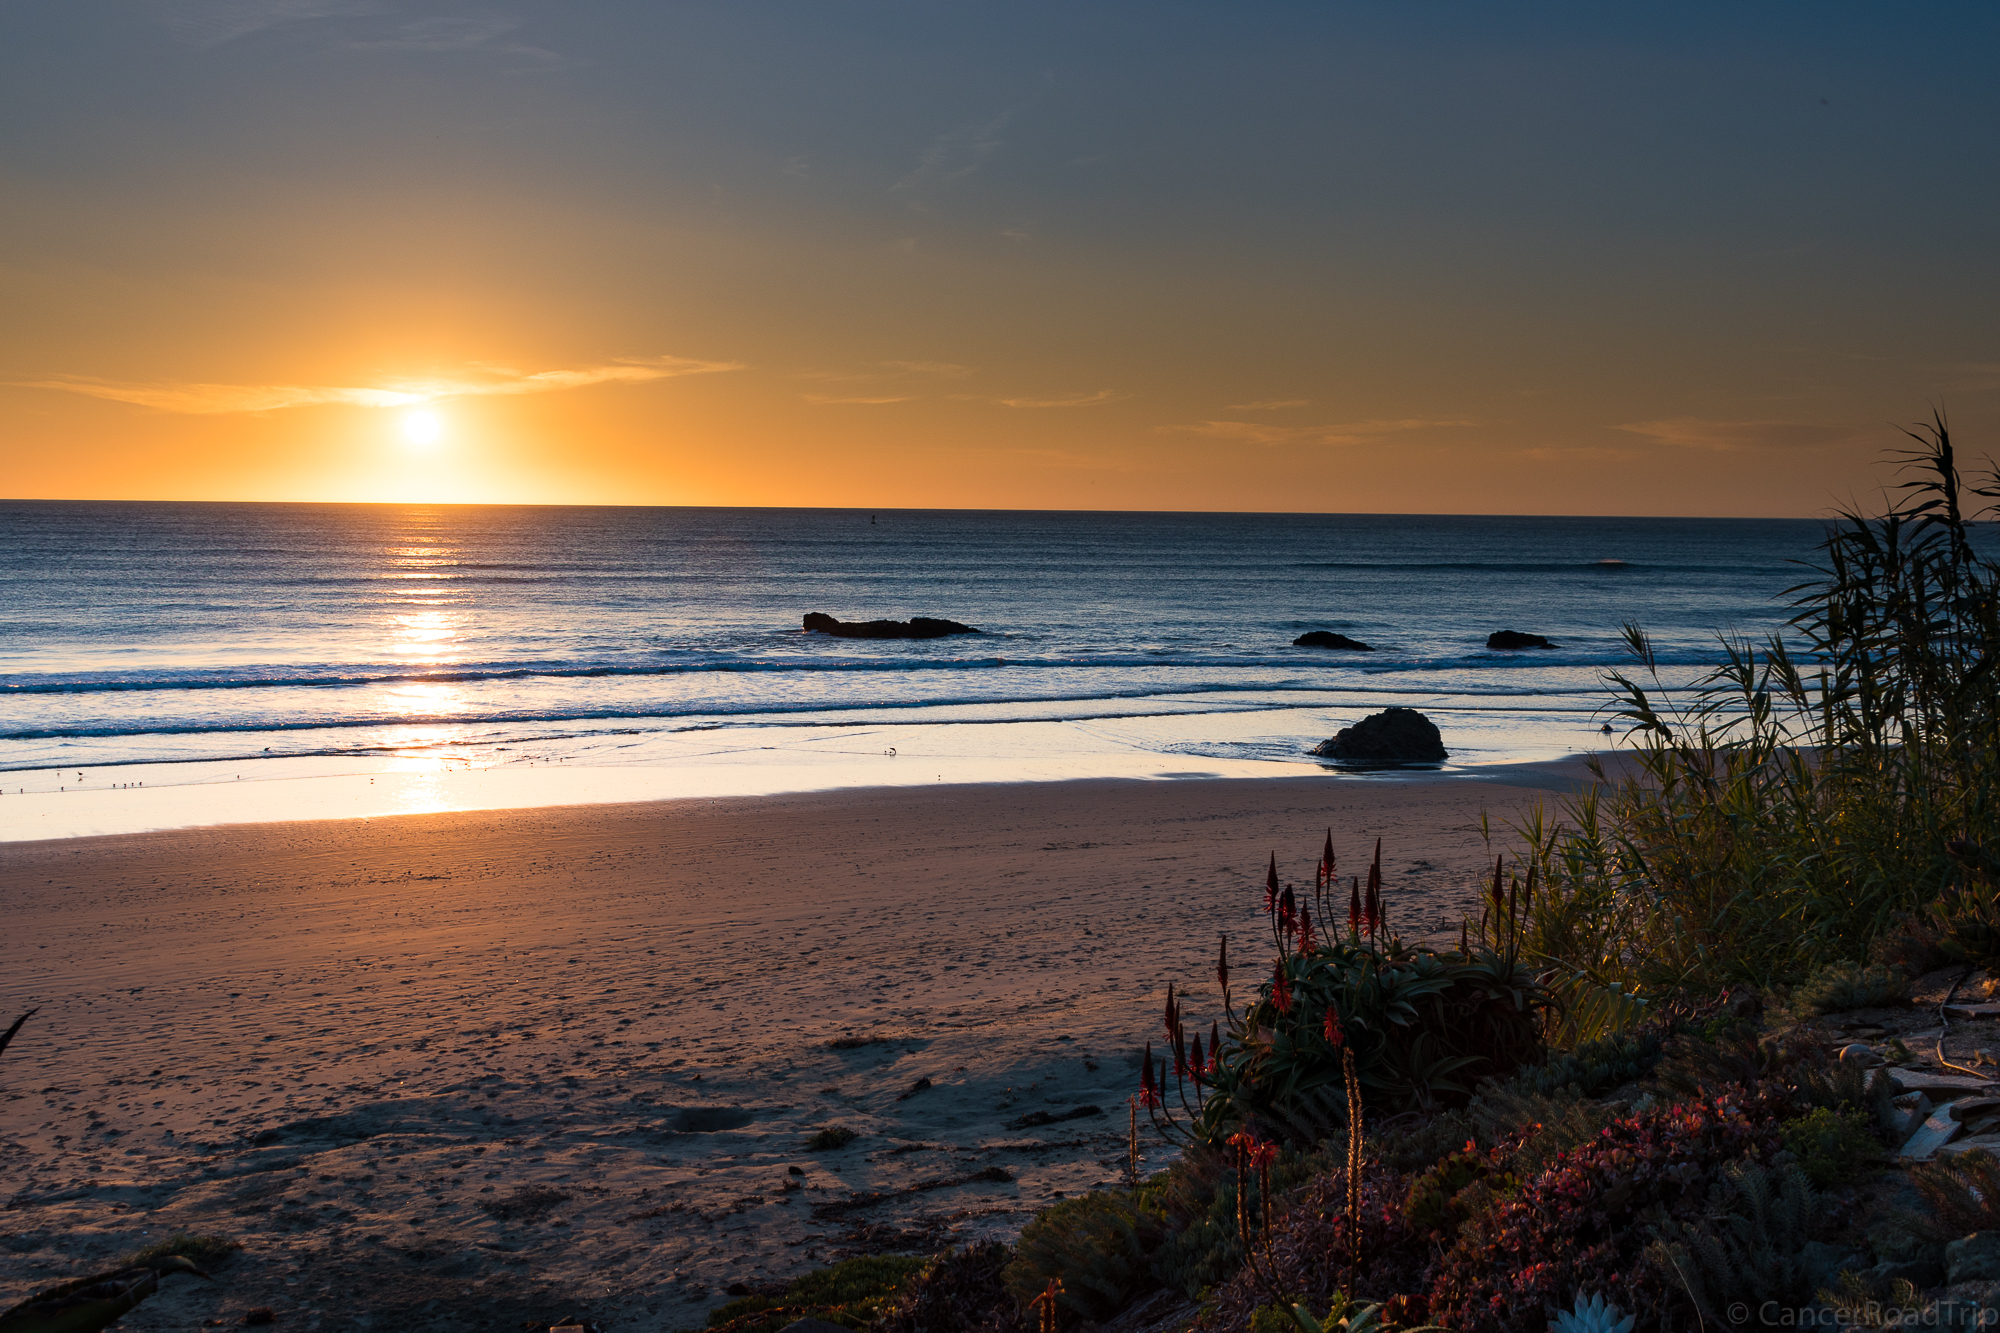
(891, 370)
(1073, 400)
(213, 22)
(948, 370)
(1056, 458)
(1269, 404)
(1352, 432)
(485, 33)
(955, 155)
(216, 398)
(826, 400)
(1736, 436)
(210, 23)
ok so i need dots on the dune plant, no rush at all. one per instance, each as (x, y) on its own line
(1838, 988)
(1342, 1012)
(1097, 1249)
(959, 1289)
(1961, 1195)
(850, 1293)
(1749, 1249)
(1804, 797)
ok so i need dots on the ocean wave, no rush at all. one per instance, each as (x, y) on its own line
(306, 677)
(1608, 565)
(1462, 700)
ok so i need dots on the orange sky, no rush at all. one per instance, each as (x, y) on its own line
(1282, 259)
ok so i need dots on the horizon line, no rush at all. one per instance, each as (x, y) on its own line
(924, 509)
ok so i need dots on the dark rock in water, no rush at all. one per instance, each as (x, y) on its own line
(917, 627)
(1394, 736)
(1510, 639)
(1036, 1119)
(1326, 638)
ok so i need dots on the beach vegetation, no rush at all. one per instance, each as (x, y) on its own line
(1831, 1146)
(1961, 1195)
(1578, 1116)
(201, 1249)
(1839, 988)
(1813, 793)
(961, 1289)
(1345, 1019)
(1099, 1248)
(850, 1293)
(1666, 1169)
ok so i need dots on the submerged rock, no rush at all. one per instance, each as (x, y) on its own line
(1509, 640)
(917, 627)
(1394, 736)
(1326, 638)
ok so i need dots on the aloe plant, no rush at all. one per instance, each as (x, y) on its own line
(1420, 1026)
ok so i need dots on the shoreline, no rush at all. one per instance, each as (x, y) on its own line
(111, 801)
(571, 1056)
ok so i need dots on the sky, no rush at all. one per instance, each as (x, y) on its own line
(1263, 255)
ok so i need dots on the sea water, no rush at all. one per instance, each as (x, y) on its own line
(148, 646)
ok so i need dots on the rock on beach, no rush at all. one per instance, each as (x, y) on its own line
(1393, 736)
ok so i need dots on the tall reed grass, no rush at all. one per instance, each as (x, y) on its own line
(1798, 803)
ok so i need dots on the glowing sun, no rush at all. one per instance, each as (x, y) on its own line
(423, 429)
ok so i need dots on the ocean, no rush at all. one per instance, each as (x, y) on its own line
(196, 643)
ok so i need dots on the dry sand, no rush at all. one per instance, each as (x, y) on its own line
(477, 1069)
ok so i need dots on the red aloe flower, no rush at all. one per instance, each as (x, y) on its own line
(1305, 930)
(1354, 907)
(1372, 907)
(1281, 989)
(1334, 1035)
(1170, 1009)
(1332, 873)
(1271, 885)
(1148, 1096)
(1262, 1154)
(1195, 1065)
(1222, 965)
(1214, 1048)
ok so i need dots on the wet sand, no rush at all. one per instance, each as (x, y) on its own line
(469, 1070)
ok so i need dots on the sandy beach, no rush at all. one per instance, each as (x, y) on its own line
(479, 1069)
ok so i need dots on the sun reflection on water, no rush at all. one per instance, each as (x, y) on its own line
(423, 623)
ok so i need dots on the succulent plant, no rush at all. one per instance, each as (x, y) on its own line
(1593, 1314)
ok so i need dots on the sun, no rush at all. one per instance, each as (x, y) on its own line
(423, 429)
